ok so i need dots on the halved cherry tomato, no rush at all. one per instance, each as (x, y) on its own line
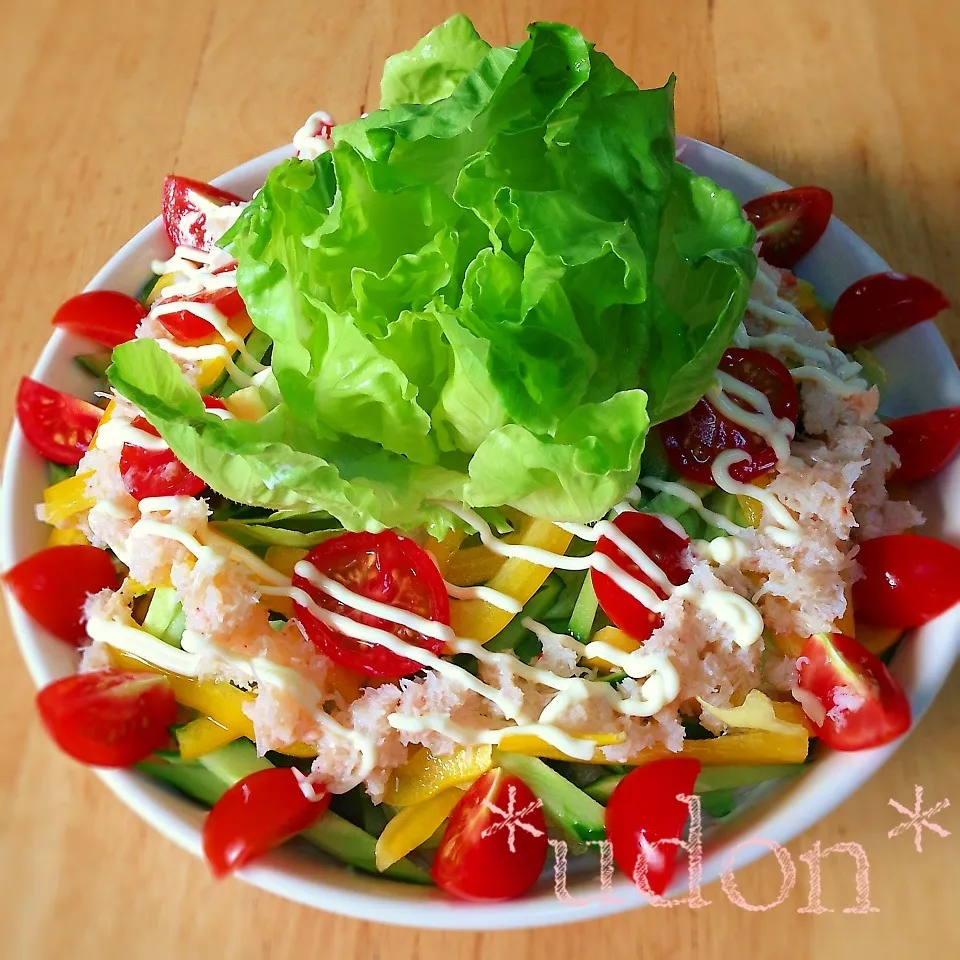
(789, 222)
(495, 842)
(926, 442)
(881, 305)
(158, 473)
(380, 566)
(907, 580)
(256, 814)
(695, 439)
(53, 585)
(105, 316)
(185, 222)
(109, 718)
(58, 426)
(643, 809)
(864, 706)
(664, 547)
(186, 327)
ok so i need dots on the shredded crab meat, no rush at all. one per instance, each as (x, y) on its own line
(833, 485)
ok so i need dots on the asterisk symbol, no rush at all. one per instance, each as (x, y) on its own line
(919, 819)
(512, 819)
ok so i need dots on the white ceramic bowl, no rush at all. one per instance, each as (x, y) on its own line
(922, 376)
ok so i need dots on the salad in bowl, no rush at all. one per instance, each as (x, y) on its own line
(486, 461)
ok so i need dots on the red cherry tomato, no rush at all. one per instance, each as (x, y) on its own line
(53, 585)
(58, 426)
(789, 222)
(158, 473)
(695, 439)
(881, 305)
(380, 566)
(864, 705)
(109, 718)
(256, 814)
(186, 327)
(480, 857)
(105, 316)
(185, 222)
(644, 809)
(907, 580)
(926, 442)
(664, 547)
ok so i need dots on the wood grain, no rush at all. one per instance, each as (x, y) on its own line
(98, 100)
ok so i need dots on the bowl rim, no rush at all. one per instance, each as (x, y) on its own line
(777, 818)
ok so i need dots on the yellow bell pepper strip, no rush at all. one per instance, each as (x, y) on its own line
(347, 683)
(221, 701)
(64, 500)
(247, 404)
(616, 638)
(519, 579)
(210, 371)
(759, 712)
(753, 509)
(877, 639)
(752, 747)
(283, 560)
(791, 645)
(533, 746)
(109, 411)
(202, 736)
(805, 301)
(472, 566)
(163, 281)
(212, 368)
(131, 589)
(62, 537)
(413, 826)
(443, 550)
(425, 775)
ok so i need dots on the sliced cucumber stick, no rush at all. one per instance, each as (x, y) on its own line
(165, 619)
(584, 611)
(332, 834)
(95, 363)
(188, 777)
(579, 815)
(535, 608)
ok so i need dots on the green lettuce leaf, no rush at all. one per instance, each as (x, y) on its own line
(276, 463)
(487, 291)
(430, 71)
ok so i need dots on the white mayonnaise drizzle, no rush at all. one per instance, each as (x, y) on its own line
(776, 433)
(113, 434)
(494, 597)
(196, 650)
(189, 261)
(658, 680)
(730, 613)
(690, 498)
(722, 550)
(209, 313)
(832, 382)
(576, 747)
(308, 142)
(210, 351)
(787, 531)
(544, 558)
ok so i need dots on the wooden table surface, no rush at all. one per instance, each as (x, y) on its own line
(98, 100)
